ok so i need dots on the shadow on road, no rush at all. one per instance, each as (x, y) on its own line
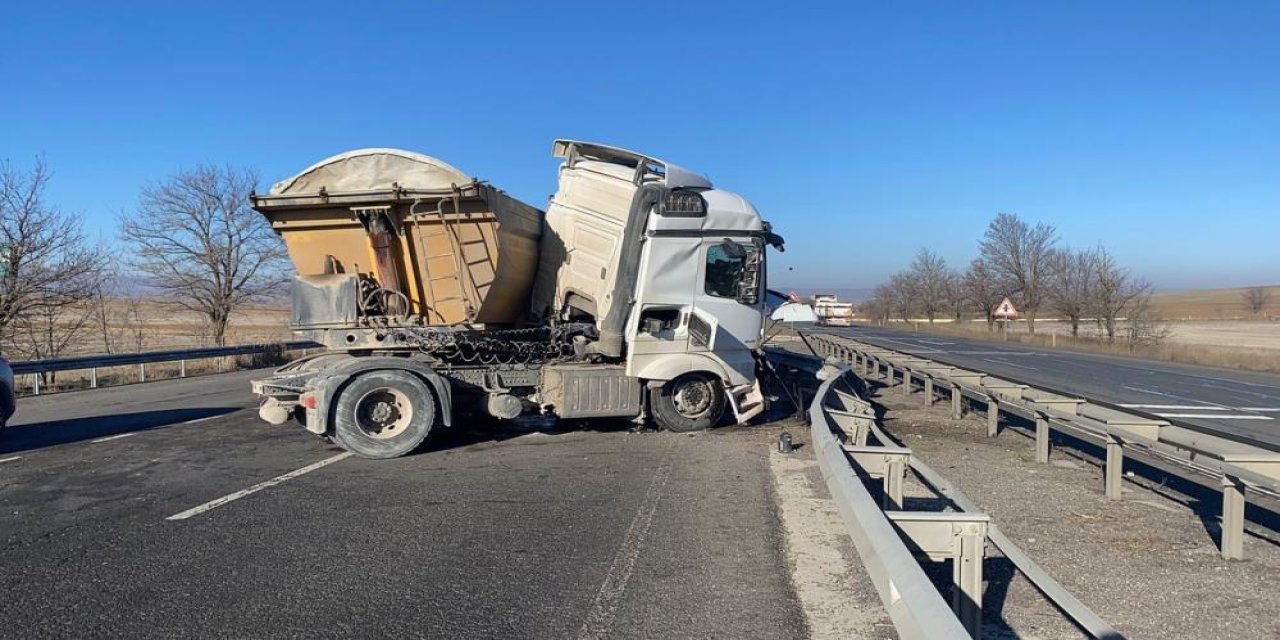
(55, 432)
(480, 431)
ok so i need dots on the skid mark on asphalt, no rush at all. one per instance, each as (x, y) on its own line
(599, 620)
(213, 504)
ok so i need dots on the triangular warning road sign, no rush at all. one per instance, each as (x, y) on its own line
(1005, 309)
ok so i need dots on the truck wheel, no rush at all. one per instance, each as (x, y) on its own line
(692, 402)
(384, 414)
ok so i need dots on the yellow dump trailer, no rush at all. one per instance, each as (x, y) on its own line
(407, 239)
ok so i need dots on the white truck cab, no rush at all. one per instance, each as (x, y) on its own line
(671, 267)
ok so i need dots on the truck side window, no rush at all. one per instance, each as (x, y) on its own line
(723, 273)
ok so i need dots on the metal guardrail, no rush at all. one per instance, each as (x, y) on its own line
(92, 363)
(914, 605)
(842, 424)
(1237, 464)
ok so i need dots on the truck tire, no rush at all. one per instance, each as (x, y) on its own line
(383, 414)
(692, 402)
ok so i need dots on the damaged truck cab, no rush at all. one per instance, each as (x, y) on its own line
(639, 293)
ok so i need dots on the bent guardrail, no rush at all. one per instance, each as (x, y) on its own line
(1236, 464)
(37, 368)
(915, 606)
(843, 425)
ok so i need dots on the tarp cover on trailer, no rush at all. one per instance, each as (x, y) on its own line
(372, 169)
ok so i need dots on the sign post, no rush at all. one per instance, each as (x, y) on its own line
(1005, 311)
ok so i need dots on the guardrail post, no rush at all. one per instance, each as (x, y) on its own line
(182, 368)
(967, 573)
(993, 417)
(35, 384)
(906, 381)
(957, 402)
(1042, 438)
(1232, 518)
(1114, 474)
(142, 372)
(894, 476)
(93, 377)
(891, 374)
(928, 390)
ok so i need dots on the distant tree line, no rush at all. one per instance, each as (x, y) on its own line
(192, 240)
(1027, 264)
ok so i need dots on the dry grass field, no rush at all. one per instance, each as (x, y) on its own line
(131, 325)
(1212, 304)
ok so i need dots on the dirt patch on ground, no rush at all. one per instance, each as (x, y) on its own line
(1148, 564)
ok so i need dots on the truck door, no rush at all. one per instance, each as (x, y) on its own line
(728, 312)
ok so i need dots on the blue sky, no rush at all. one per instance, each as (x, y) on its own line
(864, 131)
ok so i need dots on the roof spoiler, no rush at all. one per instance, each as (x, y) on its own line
(647, 169)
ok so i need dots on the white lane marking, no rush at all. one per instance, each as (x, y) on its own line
(200, 419)
(599, 620)
(1020, 366)
(1213, 416)
(11, 459)
(110, 438)
(213, 504)
(917, 348)
(995, 353)
(935, 342)
(1199, 407)
(1157, 392)
(1260, 409)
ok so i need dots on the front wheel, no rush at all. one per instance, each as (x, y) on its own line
(384, 414)
(692, 402)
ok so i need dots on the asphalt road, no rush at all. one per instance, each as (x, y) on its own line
(1236, 402)
(487, 533)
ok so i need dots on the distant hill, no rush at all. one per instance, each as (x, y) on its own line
(1212, 304)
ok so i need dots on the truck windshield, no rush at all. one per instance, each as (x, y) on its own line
(724, 272)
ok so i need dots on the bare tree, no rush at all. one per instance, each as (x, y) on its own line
(1115, 291)
(957, 301)
(928, 278)
(198, 243)
(1142, 328)
(1256, 299)
(1019, 254)
(983, 289)
(119, 318)
(1071, 284)
(903, 289)
(46, 264)
(881, 305)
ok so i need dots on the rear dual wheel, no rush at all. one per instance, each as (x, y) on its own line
(384, 414)
(692, 402)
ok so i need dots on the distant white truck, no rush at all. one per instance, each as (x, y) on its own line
(831, 312)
